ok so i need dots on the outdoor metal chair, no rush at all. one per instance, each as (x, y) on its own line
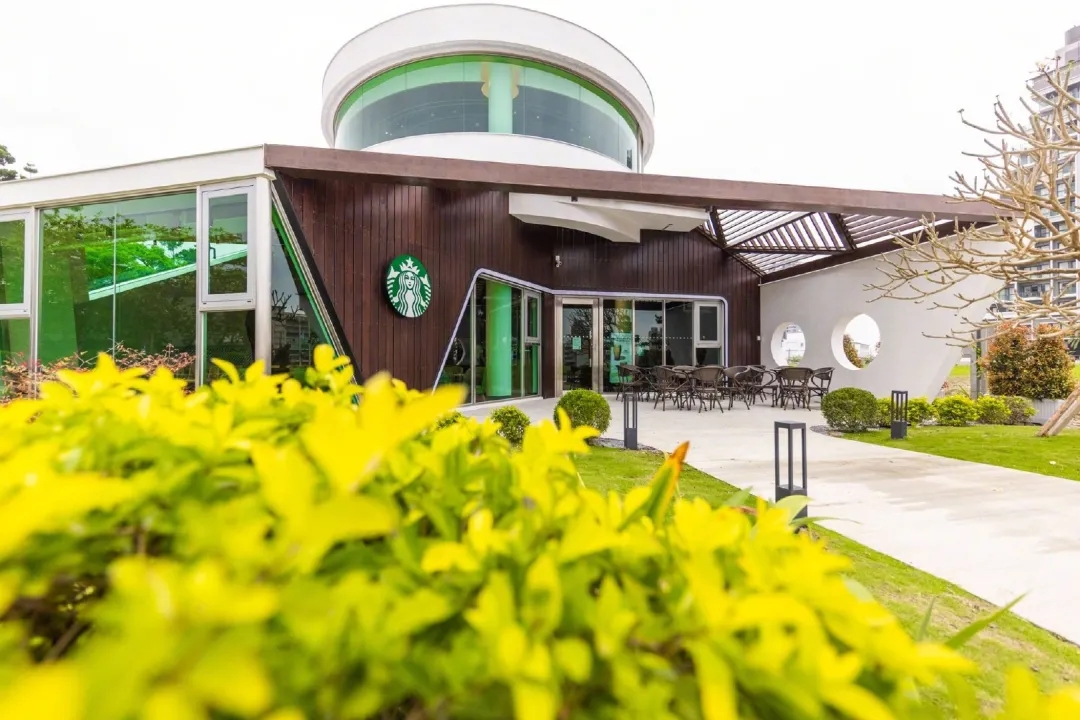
(706, 381)
(820, 382)
(794, 385)
(670, 384)
(632, 379)
(761, 383)
(734, 387)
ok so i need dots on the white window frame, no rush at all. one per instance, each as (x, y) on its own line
(225, 301)
(15, 311)
(532, 339)
(719, 342)
(259, 232)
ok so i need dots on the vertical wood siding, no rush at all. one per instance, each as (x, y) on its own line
(353, 228)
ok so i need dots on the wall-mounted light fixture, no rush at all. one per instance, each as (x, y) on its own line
(558, 261)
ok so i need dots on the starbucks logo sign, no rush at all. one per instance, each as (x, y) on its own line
(408, 286)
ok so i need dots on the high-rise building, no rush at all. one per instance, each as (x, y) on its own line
(1058, 286)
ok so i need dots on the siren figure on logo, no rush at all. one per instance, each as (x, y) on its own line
(408, 286)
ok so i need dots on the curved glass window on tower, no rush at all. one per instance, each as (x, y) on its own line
(482, 93)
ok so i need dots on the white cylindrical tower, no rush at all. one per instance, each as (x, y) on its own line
(489, 82)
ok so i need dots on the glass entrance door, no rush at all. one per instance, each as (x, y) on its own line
(579, 349)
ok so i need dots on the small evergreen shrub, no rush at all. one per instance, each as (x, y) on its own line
(449, 419)
(993, 410)
(884, 412)
(850, 409)
(1050, 366)
(585, 407)
(919, 411)
(1006, 359)
(1020, 409)
(955, 410)
(1025, 364)
(513, 423)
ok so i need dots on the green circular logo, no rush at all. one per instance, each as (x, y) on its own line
(408, 286)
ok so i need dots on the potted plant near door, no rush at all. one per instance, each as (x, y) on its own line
(1037, 366)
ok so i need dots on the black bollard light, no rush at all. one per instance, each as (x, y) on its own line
(629, 424)
(782, 490)
(898, 414)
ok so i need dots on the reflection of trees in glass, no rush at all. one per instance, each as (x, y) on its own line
(580, 321)
(106, 277)
(117, 248)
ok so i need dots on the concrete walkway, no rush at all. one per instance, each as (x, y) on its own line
(995, 532)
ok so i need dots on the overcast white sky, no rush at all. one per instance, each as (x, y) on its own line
(833, 92)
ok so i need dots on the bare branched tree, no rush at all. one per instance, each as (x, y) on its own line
(1028, 177)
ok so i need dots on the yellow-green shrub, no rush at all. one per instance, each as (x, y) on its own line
(262, 550)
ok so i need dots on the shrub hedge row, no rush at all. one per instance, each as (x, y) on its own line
(856, 410)
(263, 549)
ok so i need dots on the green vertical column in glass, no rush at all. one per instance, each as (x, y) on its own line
(500, 341)
(500, 98)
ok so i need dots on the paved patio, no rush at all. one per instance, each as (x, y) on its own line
(995, 532)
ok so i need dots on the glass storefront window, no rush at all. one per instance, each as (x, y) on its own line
(228, 261)
(228, 336)
(679, 322)
(12, 261)
(708, 356)
(708, 323)
(532, 317)
(618, 340)
(577, 346)
(487, 94)
(517, 343)
(490, 351)
(296, 328)
(532, 369)
(14, 357)
(118, 274)
(458, 369)
(648, 333)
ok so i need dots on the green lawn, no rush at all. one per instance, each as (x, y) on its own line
(1010, 446)
(903, 589)
(959, 371)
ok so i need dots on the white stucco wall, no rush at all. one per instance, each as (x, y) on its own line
(822, 303)
(518, 149)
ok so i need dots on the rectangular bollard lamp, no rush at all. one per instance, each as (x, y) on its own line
(898, 414)
(790, 488)
(629, 425)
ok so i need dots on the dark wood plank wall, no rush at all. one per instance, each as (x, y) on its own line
(354, 228)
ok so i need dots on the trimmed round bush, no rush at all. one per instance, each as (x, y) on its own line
(513, 422)
(449, 419)
(919, 411)
(1020, 409)
(955, 410)
(850, 409)
(585, 407)
(884, 412)
(993, 410)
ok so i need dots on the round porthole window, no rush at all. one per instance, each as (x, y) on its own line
(857, 342)
(788, 345)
